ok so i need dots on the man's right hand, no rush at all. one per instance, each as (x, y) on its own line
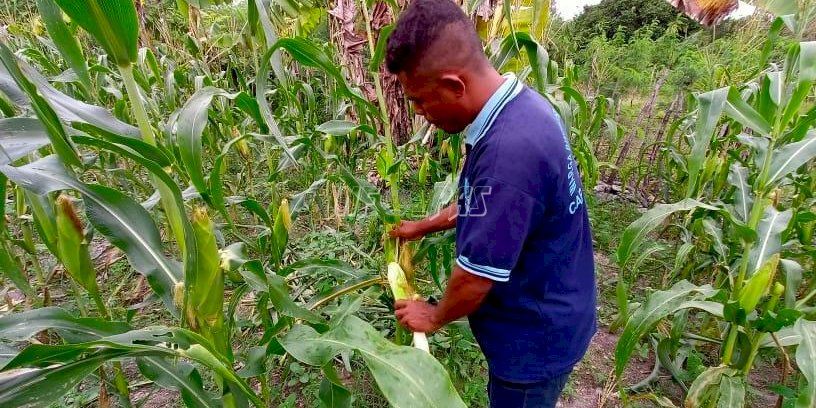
(408, 230)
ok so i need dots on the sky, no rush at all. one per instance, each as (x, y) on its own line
(571, 8)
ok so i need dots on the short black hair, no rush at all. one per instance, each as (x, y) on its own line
(419, 29)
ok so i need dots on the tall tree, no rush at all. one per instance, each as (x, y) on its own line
(607, 17)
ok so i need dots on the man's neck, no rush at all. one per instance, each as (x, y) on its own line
(483, 89)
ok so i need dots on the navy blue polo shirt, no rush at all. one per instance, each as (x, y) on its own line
(523, 223)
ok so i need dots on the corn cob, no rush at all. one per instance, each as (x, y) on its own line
(402, 290)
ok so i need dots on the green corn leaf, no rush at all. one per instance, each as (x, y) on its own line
(258, 11)
(206, 357)
(279, 295)
(709, 110)
(743, 113)
(63, 373)
(776, 88)
(710, 378)
(155, 154)
(541, 17)
(407, 377)
(261, 88)
(732, 392)
(795, 101)
(113, 23)
(11, 269)
(332, 393)
(275, 287)
(769, 240)
(309, 54)
(338, 269)
(770, 95)
(806, 361)
(147, 60)
(216, 187)
(537, 56)
(343, 128)
(255, 362)
(19, 137)
(53, 126)
(443, 192)
(770, 43)
(39, 387)
(166, 182)
(120, 219)
(68, 109)
(744, 196)
(807, 61)
(635, 234)
(666, 356)
(507, 14)
(191, 122)
(793, 280)
(789, 158)
(179, 376)
(379, 52)
(298, 201)
(364, 192)
(778, 7)
(42, 211)
(806, 54)
(24, 325)
(716, 234)
(6, 105)
(574, 96)
(234, 258)
(65, 42)
(659, 305)
(350, 286)
(787, 337)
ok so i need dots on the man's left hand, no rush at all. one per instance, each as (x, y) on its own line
(417, 316)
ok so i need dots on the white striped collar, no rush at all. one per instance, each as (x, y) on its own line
(484, 120)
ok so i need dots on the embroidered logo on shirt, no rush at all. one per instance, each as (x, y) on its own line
(470, 208)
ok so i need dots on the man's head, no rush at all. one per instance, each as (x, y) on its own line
(437, 55)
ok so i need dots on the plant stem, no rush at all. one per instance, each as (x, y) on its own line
(137, 105)
(757, 210)
(121, 384)
(754, 350)
(265, 393)
(100, 304)
(393, 179)
(83, 308)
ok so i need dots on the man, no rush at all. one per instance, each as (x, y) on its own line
(524, 272)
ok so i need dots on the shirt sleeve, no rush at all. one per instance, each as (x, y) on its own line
(494, 221)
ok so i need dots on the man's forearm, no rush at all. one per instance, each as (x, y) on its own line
(464, 294)
(441, 221)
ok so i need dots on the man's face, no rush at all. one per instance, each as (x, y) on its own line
(440, 99)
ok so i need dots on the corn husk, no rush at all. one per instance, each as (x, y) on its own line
(402, 291)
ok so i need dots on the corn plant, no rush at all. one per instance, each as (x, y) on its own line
(745, 225)
(57, 161)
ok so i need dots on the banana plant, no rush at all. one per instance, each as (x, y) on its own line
(748, 177)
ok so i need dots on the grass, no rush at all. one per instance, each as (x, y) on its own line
(608, 220)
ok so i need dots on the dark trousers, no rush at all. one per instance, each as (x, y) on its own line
(544, 394)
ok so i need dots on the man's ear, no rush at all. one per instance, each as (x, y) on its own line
(454, 84)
